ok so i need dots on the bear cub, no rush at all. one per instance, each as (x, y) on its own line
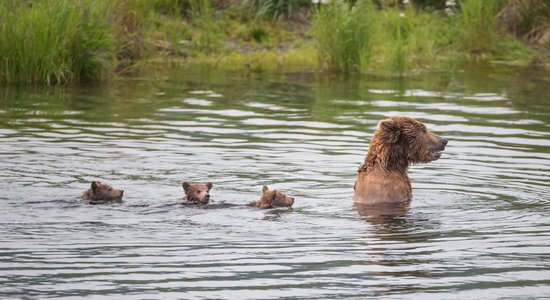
(196, 193)
(272, 198)
(102, 192)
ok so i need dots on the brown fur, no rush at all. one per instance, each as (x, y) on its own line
(198, 193)
(272, 198)
(397, 143)
(100, 191)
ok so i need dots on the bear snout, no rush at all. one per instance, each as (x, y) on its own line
(291, 202)
(202, 200)
(286, 202)
(443, 143)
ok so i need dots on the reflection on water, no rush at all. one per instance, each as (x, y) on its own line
(476, 228)
(382, 211)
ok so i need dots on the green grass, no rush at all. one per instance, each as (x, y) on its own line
(344, 36)
(399, 29)
(53, 41)
(390, 40)
(209, 36)
(275, 8)
(527, 19)
(65, 41)
(529, 15)
(303, 58)
(477, 24)
(409, 39)
(173, 8)
(129, 22)
(399, 40)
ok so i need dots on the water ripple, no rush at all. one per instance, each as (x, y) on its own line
(476, 228)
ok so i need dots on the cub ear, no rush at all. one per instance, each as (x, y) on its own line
(185, 185)
(265, 189)
(209, 185)
(94, 185)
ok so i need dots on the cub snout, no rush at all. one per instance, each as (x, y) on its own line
(290, 201)
(197, 192)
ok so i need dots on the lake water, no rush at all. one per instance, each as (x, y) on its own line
(477, 228)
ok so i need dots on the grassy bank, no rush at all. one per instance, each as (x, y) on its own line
(53, 41)
(60, 41)
(406, 38)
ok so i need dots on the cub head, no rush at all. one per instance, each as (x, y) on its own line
(101, 191)
(272, 198)
(197, 192)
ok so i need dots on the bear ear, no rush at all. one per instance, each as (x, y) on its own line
(265, 189)
(387, 125)
(390, 130)
(209, 185)
(185, 185)
(94, 185)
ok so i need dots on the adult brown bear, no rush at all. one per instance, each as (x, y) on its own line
(397, 143)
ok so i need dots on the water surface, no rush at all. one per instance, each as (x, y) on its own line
(478, 227)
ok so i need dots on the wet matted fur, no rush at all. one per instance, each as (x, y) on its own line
(397, 143)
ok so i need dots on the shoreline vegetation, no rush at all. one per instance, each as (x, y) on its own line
(66, 41)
